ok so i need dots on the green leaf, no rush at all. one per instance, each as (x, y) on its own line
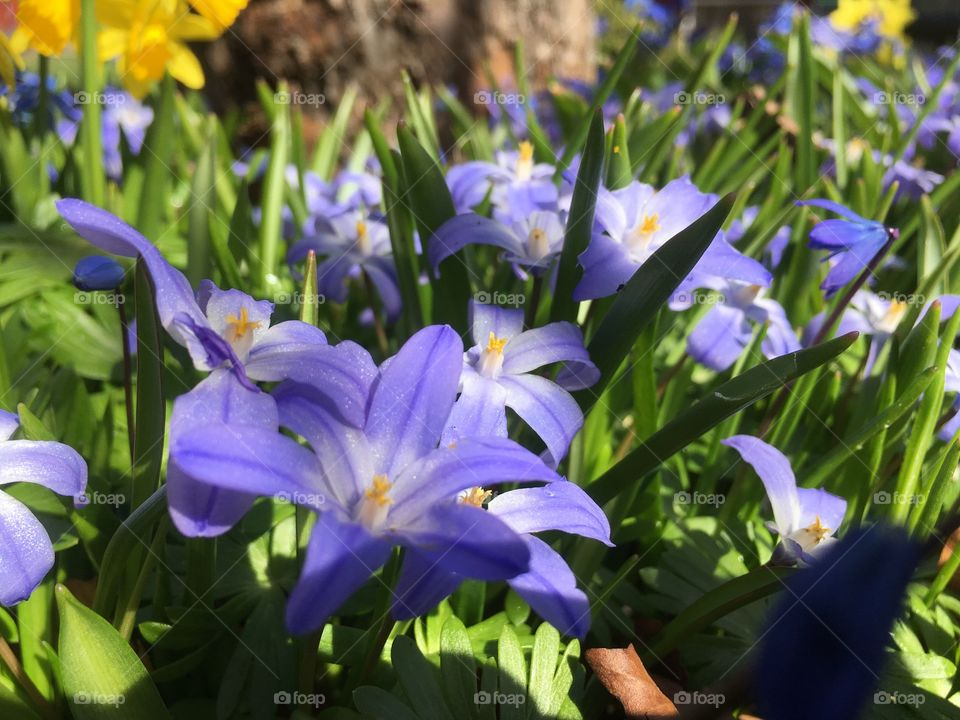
(102, 675)
(645, 293)
(619, 172)
(202, 198)
(805, 87)
(458, 669)
(725, 400)
(513, 674)
(427, 195)
(717, 603)
(378, 704)
(579, 223)
(419, 680)
(932, 247)
(154, 194)
(543, 666)
(274, 188)
(150, 406)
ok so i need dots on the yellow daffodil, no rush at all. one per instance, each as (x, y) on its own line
(10, 61)
(148, 37)
(46, 25)
(893, 15)
(221, 13)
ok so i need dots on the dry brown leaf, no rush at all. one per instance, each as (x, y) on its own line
(624, 676)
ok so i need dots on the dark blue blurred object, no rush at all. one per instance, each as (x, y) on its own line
(97, 272)
(825, 645)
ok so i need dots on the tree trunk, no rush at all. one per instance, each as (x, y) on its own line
(322, 46)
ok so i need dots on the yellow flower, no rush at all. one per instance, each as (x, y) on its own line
(10, 61)
(893, 15)
(148, 37)
(46, 25)
(221, 13)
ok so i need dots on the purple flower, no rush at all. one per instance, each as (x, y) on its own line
(26, 553)
(549, 586)
(804, 518)
(516, 184)
(352, 243)
(952, 385)
(634, 222)
(384, 484)
(853, 242)
(497, 373)
(220, 327)
(725, 331)
(532, 243)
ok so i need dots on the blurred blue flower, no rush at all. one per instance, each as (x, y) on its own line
(824, 646)
(97, 272)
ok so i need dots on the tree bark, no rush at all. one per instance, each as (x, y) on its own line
(322, 46)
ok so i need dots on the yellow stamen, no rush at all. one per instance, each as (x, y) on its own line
(495, 344)
(526, 151)
(818, 530)
(650, 224)
(378, 491)
(239, 326)
(616, 149)
(475, 496)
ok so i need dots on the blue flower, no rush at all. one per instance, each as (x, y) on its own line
(853, 243)
(384, 484)
(804, 518)
(352, 242)
(497, 373)
(97, 272)
(26, 553)
(532, 243)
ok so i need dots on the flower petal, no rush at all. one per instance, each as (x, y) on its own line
(197, 508)
(606, 268)
(422, 585)
(475, 462)
(466, 540)
(9, 422)
(818, 503)
(550, 588)
(469, 229)
(414, 397)
(504, 323)
(340, 558)
(480, 411)
(558, 506)
(26, 553)
(719, 337)
(555, 342)
(548, 409)
(52, 464)
(776, 475)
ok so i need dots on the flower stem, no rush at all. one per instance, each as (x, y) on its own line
(9, 658)
(375, 309)
(127, 374)
(92, 167)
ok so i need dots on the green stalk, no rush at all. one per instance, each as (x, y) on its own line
(271, 221)
(91, 178)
